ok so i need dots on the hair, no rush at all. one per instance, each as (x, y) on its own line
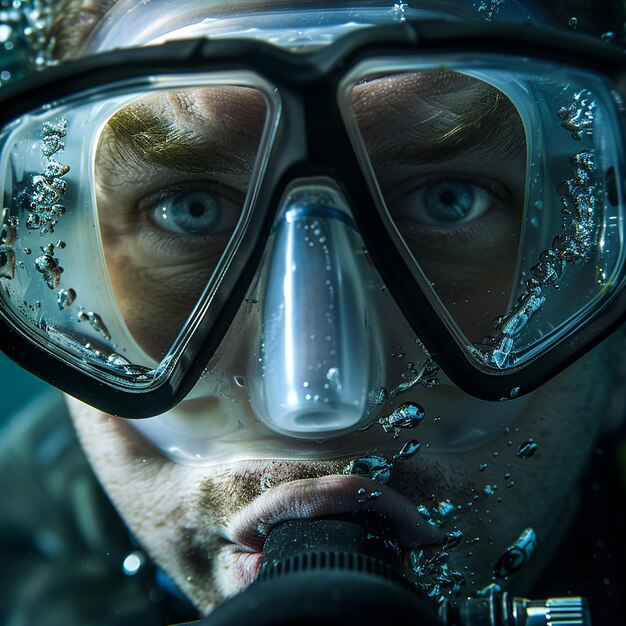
(75, 19)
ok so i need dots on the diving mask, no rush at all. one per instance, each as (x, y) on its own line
(451, 195)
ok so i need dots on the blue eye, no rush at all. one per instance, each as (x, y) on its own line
(444, 202)
(194, 212)
(452, 201)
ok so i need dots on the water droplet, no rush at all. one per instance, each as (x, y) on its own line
(117, 360)
(579, 115)
(95, 321)
(407, 415)
(133, 563)
(65, 298)
(573, 22)
(514, 392)
(54, 169)
(608, 36)
(399, 9)
(482, 467)
(409, 449)
(47, 265)
(239, 380)
(516, 555)
(373, 466)
(453, 539)
(488, 491)
(527, 449)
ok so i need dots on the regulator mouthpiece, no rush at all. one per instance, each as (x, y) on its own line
(317, 353)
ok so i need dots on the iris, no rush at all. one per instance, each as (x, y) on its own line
(449, 201)
(195, 212)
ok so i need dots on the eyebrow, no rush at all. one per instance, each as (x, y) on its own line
(144, 137)
(495, 126)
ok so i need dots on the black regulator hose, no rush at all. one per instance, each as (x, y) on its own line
(342, 570)
(346, 571)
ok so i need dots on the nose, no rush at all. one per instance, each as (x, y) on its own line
(318, 359)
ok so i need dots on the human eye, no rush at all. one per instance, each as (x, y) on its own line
(194, 210)
(456, 211)
(186, 222)
(448, 201)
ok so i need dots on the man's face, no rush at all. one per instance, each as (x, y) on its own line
(206, 525)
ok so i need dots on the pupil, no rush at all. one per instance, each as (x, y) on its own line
(447, 197)
(196, 209)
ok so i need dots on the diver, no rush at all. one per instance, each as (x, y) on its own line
(295, 263)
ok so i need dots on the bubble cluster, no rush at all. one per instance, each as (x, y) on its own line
(579, 198)
(363, 496)
(26, 36)
(578, 116)
(433, 575)
(399, 8)
(46, 191)
(489, 8)
(438, 514)
(7, 244)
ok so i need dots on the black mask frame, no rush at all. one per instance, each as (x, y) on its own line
(308, 83)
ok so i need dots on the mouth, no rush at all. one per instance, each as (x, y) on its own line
(319, 497)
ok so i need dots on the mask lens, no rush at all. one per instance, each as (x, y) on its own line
(173, 171)
(120, 210)
(499, 186)
(450, 158)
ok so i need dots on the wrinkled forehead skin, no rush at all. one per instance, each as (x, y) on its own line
(75, 20)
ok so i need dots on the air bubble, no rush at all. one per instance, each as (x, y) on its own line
(453, 539)
(95, 321)
(407, 415)
(527, 449)
(408, 450)
(517, 555)
(7, 243)
(373, 466)
(579, 115)
(65, 298)
(47, 265)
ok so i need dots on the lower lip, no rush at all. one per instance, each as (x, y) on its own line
(318, 497)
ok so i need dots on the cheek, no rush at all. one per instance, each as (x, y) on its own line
(150, 492)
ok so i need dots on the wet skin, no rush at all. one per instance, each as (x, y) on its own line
(205, 525)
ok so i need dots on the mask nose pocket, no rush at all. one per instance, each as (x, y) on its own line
(317, 352)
